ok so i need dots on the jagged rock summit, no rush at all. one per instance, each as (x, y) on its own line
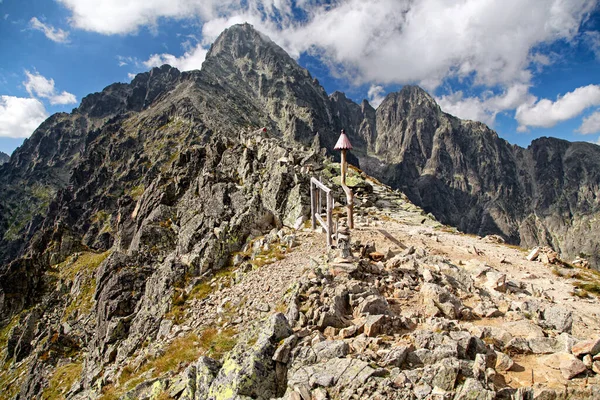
(146, 240)
(4, 158)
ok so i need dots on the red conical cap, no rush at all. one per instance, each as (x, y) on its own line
(343, 142)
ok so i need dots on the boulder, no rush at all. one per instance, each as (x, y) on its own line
(251, 371)
(558, 318)
(533, 254)
(524, 329)
(472, 389)
(328, 349)
(395, 357)
(570, 367)
(441, 298)
(591, 346)
(374, 325)
(503, 362)
(446, 373)
(373, 304)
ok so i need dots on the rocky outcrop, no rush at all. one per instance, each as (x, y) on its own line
(4, 158)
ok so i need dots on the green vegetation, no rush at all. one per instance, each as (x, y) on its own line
(217, 343)
(588, 280)
(61, 381)
(39, 197)
(83, 265)
(222, 278)
(137, 191)
(5, 331)
(589, 287)
(176, 356)
(11, 379)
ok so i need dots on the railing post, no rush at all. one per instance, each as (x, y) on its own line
(313, 220)
(329, 218)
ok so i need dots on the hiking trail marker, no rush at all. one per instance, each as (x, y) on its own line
(344, 144)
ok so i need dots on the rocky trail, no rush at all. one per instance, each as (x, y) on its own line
(426, 313)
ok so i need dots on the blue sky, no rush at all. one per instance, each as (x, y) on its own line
(527, 68)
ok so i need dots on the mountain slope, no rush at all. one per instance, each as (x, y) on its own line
(468, 177)
(4, 158)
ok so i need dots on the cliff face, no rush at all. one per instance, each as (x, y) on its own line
(111, 215)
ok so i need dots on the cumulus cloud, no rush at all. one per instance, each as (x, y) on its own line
(19, 117)
(54, 34)
(590, 124)
(376, 95)
(192, 59)
(486, 107)
(547, 113)
(384, 41)
(38, 86)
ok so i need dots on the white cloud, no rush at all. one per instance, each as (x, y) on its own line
(56, 35)
(486, 107)
(38, 86)
(376, 95)
(590, 124)
(546, 113)
(384, 41)
(63, 98)
(592, 39)
(192, 59)
(120, 17)
(19, 117)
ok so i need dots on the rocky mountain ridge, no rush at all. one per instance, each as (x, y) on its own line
(145, 199)
(4, 157)
(458, 170)
(468, 177)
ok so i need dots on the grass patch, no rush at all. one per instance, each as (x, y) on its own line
(216, 344)
(83, 262)
(198, 292)
(61, 380)
(5, 331)
(582, 294)
(446, 229)
(137, 191)
(176, 356)
(109, 392)
(590, 287)
(274, 254)
(11, 380)
(84, 265)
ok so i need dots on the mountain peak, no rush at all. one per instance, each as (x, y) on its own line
(242, 40)
(411, 99)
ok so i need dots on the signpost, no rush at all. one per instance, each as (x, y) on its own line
(344, 144)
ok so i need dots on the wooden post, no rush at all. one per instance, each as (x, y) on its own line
(313, 220)
(348, 191)
(329, 218)
(343, 167)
